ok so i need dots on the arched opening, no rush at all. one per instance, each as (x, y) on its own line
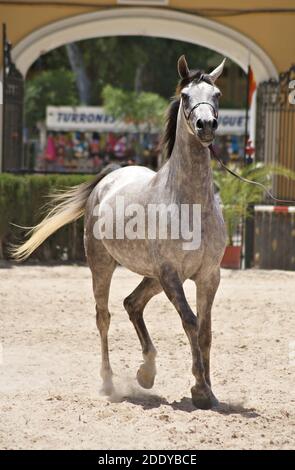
(154, 22)
(149, 22)
(149, 65)
(146, 22)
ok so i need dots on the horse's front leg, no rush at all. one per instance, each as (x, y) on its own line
(206, 290)
(135, 304)
(202, 395)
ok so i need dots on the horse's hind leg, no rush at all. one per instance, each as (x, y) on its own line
(102, 270)
(134, 304)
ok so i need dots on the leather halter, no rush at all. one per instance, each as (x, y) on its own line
(187, 117)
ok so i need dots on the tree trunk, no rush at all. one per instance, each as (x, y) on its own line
(1, 249)
(138, 86)
(77, 65)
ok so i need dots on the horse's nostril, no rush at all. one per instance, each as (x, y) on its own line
(200, 124)
(214, 124)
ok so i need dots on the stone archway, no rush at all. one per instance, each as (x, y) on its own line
(146, 22)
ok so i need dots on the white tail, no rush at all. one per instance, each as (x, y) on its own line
(70, 206)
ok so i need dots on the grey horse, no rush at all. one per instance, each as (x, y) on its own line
(185, 178)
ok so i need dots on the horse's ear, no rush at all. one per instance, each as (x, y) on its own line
(182, 67)
(217, 72)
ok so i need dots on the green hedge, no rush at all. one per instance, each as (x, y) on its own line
(22, 198)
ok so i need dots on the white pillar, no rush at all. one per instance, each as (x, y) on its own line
(252, 116)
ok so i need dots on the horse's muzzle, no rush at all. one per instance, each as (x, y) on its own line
(206, 130)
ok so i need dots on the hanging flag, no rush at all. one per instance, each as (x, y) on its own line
(251, 85)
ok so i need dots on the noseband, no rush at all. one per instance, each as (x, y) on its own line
(215, 113)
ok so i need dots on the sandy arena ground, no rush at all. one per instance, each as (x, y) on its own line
(49, 377)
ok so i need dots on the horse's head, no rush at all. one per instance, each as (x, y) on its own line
(200, 101)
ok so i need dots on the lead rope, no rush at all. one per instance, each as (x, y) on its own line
(245, 180)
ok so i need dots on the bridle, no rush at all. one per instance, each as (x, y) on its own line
(187, 117)
(215, 112)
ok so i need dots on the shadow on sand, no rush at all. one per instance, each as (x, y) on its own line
(149, 401)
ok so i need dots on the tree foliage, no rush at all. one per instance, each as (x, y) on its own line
(132, 63)
(130, 106)
(123, 61)
(50, 87)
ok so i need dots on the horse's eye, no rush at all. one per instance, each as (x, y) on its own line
(184, 96)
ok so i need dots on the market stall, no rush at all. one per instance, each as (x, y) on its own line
(85, 138)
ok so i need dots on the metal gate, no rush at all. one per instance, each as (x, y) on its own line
(274, 237)
(13, 97)
(275, 129)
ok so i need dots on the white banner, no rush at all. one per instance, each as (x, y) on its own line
(91, 118)
(232, 121)
(82, 118)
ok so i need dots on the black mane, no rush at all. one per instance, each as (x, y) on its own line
(168, 138)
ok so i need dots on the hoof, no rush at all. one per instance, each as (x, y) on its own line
(146, 376)
(107, 388)
(204, 400)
